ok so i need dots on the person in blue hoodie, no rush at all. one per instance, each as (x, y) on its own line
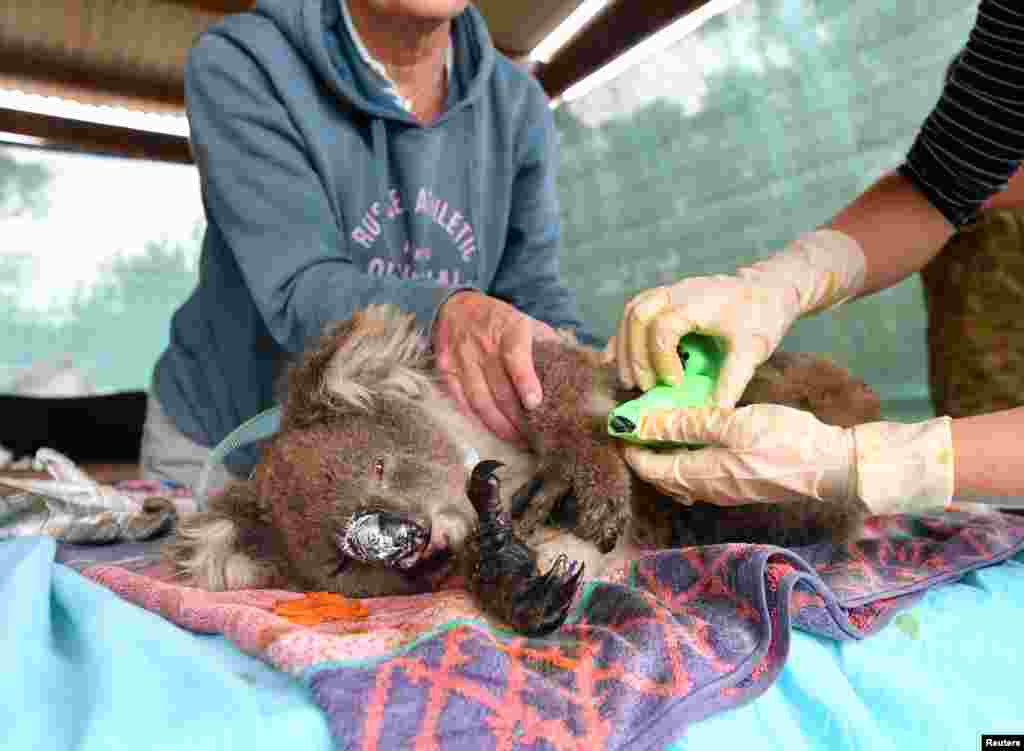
(355, 152)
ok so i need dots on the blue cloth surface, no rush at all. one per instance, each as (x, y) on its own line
(938, 677)
(86, 670)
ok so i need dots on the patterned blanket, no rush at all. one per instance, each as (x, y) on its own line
(662, 642)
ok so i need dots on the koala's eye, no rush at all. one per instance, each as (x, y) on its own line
(378, 470)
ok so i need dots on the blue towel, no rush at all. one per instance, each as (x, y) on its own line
(85, 670)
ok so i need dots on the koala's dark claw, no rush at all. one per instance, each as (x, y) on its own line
(543, 582)
(572, 582)
(520, 500)
(507, 581)
(567, 511)
(543, 602)
(483, 488)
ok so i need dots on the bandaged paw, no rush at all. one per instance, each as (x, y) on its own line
(761, 453)
(770, 453)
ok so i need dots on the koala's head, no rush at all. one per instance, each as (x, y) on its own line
(366, 487)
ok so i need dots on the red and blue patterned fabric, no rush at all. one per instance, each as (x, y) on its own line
(669, 639)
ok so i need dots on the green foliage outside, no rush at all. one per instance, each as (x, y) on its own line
(113, 330)
(791, 128)
(22, 189)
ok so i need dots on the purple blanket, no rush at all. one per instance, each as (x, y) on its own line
(670, 639)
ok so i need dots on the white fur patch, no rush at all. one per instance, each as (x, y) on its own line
(386, 355)
(348, 391)
(476, 442)
(550, 543)
(211, 560)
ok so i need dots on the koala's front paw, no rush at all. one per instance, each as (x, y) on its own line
(589, 492)
(602, 489)
(507, 580)
(510, 586)
(541, 603)
(532, 504)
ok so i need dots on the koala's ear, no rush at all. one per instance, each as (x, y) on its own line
(221, 548)
(379, 352)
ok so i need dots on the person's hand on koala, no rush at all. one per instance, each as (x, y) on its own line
(484, 351)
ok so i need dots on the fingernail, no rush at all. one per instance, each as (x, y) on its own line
(533, 400)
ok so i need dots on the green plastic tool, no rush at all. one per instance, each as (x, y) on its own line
(702, 359)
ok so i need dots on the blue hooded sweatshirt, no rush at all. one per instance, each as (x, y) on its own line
(323, 195)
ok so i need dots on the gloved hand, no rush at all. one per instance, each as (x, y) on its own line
(749, 312)
(770, 453)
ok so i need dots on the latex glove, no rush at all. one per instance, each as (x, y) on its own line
(484, 352)
(770, 453)
(749, 312)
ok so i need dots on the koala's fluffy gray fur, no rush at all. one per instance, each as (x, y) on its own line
(367, 426)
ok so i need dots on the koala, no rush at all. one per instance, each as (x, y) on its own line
(377, 485)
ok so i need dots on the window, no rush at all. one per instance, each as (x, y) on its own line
(712, 153)
(758, 126)
(96, 254)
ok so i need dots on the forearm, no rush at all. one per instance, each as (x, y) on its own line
(1012, 197)
(898, 230)
(989, 454)
(965, 152)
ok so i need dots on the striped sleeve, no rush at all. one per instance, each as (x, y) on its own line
(973, 140)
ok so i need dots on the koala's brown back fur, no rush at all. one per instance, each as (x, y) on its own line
(366, 425)
(571, 437)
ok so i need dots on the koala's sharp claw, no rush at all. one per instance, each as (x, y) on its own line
(521, 498)
(483, 488)
(508, 582)
(556, 617)
(543, 602)
(573, 580)
(484, 492)
(543, 581)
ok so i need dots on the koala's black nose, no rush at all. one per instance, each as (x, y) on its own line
(383, 537)
(399, 528)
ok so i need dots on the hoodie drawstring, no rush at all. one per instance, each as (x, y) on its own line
(381, 162)
(476, 181)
